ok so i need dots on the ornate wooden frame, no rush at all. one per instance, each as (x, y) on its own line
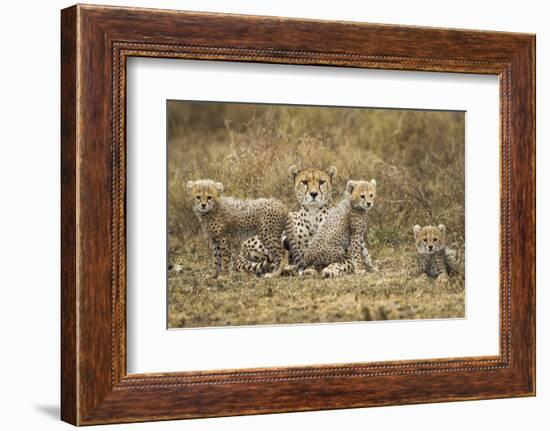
(95, 43)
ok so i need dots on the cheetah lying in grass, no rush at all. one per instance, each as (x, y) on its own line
(435, 259)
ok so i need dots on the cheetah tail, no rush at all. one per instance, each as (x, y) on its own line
(282, 265)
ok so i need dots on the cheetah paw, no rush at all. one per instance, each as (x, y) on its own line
(309, 272)
(442, 279)
(290, 270)
(328, 273)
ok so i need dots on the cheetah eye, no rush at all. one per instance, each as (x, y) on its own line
(198, 197)
(425, 240)
(371, 195)
(362, 196)
(321, 182)
(304, 183)
(435, 239)
(209, 198)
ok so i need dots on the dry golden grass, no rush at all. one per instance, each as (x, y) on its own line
(196, 300)
(417, 158)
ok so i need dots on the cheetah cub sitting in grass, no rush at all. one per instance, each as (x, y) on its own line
(435, 259)
(227, 221)
(338, 246)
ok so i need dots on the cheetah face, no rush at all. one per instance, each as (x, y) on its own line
(204, 194)
(361, 194)
(429, 239)
(313, 187)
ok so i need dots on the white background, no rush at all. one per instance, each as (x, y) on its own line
(151, 348)
(29, 216)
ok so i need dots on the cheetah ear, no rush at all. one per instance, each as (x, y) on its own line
(416, 230)
(442, 228)
(219, 187)
(373, 182)
(190, 185)
(350, 186)
(332, 171)
(293, 172)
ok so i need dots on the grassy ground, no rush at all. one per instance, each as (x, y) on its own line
(196, 300)
(416, 157)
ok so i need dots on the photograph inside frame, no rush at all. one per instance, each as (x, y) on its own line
(289, 214)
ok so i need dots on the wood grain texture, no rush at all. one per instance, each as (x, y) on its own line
(96, 41)
(69, 397)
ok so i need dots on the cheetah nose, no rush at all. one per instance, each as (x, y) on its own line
(313, 194)
(430, 247)
(369, 204)
(203, 205)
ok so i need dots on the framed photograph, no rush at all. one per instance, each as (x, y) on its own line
(399, 166)
(266, 215)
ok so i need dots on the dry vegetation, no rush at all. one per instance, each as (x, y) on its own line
(417, 158)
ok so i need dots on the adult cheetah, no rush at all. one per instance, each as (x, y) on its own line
(313, 191)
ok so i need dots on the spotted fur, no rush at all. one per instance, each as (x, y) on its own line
(339, 247)
(313, 190)
(227, 221)
(435, 259)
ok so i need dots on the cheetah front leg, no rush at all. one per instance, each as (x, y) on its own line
(439, 269)
(221, 249)
(216, 252)
(365, 257)
(295, 240)
(356, 254)
(422, 269)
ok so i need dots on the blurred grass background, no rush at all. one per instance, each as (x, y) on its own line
(416, 157)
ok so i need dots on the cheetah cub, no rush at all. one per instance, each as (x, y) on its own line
(435, 259)
(338, 246)
(228, 221)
